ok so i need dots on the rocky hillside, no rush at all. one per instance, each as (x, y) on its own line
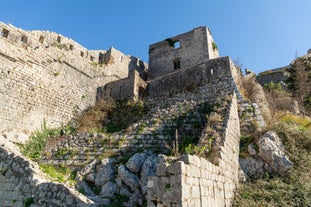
(286, 142)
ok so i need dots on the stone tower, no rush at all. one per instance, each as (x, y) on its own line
(181, 52)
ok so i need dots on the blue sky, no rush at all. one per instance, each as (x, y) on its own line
(262, 34)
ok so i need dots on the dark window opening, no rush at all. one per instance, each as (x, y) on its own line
(24, 39)
(71, 47)
(81, 54)
(5, 33)
(101, 58)
(59, 39)
(176, 64)
(92, 58)
(41, 39)
(142, 92)
(176, 45)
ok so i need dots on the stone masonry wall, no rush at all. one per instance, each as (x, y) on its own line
(208, 73)
(22, 182)
(46, 76)
(128, 88)
(194, 181)
(276, 75)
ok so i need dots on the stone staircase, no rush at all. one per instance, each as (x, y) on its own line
(155, 131)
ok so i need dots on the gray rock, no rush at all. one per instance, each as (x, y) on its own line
(270, 158)
(272, 151)
(90, 177)
(136, 161)
(148, 169)
(251, 149)
(253, 167)
(125, 192)
(109, 190)
(161, 165)
(242, 176)
(130, 179)
(83, 187)
(89, 168)
(105, 171)
(136, 199)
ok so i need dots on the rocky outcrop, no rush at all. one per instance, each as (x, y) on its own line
(266, 155)
(113, 179)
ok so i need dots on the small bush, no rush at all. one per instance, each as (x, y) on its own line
(37, 141)
(57, 173)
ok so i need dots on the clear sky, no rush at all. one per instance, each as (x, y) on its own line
(262, 34)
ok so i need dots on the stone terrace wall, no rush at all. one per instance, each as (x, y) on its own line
(21, 181)
(195, 181)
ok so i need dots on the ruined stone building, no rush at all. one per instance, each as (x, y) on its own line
(185, 61)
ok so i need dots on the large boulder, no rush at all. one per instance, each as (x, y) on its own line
(129, 178)
(109, 190)
(148, 169)
(270, 157)
(272, 151)
(105, 171)
(135, 163)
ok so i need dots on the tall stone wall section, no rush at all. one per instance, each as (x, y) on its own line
(194, 181)
(46, 76)
(23, 183)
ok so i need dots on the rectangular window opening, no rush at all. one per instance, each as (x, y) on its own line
(41, 39)
(176, 45)
(5, 33)
(92, 58)
(59, 39)
(71, 47)
(81, 54)
(176, 64)
(24, 39)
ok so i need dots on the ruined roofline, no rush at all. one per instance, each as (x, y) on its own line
(35, 39)
(177, 37)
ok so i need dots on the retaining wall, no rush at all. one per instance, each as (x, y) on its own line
(195, 181)
(22, 182)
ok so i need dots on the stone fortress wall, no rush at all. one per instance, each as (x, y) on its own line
(54, 77)
(275, 75)
(46, 76)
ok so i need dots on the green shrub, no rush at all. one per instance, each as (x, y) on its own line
(28, 202)
(34, 147)
(58, 173)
